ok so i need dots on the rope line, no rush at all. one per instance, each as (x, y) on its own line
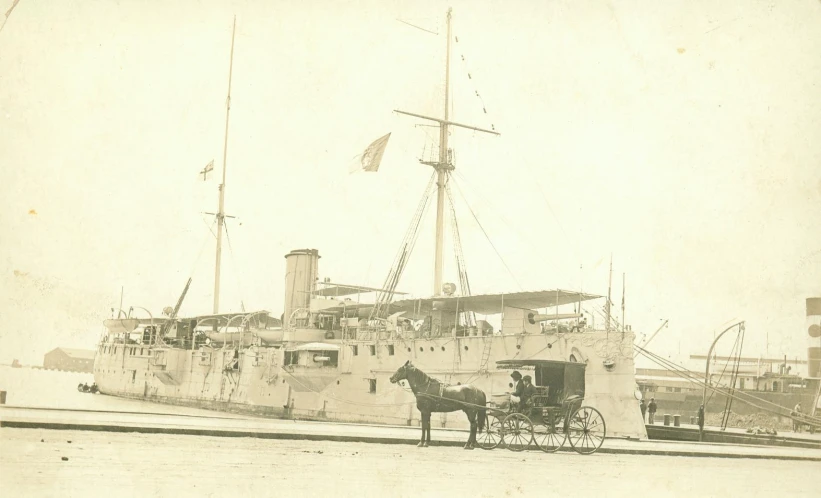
(488, 237)
(687, 375)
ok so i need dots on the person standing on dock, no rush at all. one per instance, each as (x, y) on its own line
(701, 419)
(643, 407)
(796, 425)
(651, 409)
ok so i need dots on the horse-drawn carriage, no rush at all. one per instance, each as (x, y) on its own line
(553, 415)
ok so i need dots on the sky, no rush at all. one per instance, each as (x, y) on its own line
(680, 137)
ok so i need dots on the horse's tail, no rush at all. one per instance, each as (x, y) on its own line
(482, 413)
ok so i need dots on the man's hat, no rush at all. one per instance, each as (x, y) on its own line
(516, 375)
(527, 378)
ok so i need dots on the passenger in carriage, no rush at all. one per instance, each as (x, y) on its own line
(527, 392)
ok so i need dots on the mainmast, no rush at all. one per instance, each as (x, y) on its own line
(441, 173)
(221, 211)
(444, 165)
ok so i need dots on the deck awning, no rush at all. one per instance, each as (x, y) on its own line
(315, 346)
(490, 304)
(514, 364)
(339, 290)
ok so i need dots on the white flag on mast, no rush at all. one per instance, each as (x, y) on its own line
(208, 168)
(372, 156)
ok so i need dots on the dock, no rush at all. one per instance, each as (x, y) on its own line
(238, 426)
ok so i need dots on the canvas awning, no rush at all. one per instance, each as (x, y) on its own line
(315, 346)
(489, 304)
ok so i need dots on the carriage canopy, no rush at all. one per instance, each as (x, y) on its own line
(563, 378)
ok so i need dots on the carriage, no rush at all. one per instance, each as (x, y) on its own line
(552, 416)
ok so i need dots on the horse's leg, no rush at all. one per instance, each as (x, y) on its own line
(422, 441)
(427, 428)
(472, 438)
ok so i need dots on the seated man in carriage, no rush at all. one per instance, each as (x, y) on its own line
(527, 394)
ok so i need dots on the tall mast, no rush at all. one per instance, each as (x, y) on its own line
(442, 173)
(444, 165)
(221, 212)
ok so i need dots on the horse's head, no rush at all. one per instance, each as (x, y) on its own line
(401, 373)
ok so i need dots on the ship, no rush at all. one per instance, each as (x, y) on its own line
(330, 353)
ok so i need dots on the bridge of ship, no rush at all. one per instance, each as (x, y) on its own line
(334, 311)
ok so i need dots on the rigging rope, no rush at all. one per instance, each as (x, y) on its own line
(236, 270)
(461, 267)
(693, 379)
(385, 296)
(732, 352)
(488, 237)
(470, 77)
(202, 248)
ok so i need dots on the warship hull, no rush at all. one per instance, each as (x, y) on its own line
(257, 381)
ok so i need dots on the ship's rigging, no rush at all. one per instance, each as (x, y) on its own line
(443, 167)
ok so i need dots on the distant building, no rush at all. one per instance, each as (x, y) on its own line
(71, 360)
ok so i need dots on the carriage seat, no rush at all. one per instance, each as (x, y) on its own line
(540, 398)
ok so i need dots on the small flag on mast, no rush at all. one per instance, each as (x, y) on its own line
(372, 156)
(208, 168)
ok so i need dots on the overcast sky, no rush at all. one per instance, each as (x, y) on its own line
(682, 137)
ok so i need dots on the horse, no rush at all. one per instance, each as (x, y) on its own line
(435, 396)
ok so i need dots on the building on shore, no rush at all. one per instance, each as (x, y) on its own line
(70, 360)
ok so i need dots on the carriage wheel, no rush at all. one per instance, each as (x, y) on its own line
(586, 430)
(550, 435)
(518, 432)
(491, 436)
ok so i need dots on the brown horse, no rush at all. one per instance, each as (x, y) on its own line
(435, 396)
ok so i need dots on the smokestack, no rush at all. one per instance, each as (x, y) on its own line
(814, 337)
(301, 268)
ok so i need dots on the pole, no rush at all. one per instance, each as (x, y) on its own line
(221, 212)
(707, 368)
(441, 173)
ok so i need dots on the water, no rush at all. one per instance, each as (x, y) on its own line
(35, 388)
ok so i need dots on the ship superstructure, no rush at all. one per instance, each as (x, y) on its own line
(332, 351)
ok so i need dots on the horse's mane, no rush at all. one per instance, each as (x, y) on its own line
(420, 376)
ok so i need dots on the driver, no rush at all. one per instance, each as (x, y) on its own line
(518, 389)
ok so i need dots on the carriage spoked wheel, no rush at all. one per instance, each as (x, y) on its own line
(517, 432)
(586, 430)
(550, 436)
(491, 436)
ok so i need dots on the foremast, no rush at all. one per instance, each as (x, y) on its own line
(221, 212)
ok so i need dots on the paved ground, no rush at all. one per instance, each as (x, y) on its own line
(216, 424)
(144, 465)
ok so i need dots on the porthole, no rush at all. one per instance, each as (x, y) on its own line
(466, 348)
(421, 349)
(518, 346)
(443, 348)
(431, 348)
(409, 350)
